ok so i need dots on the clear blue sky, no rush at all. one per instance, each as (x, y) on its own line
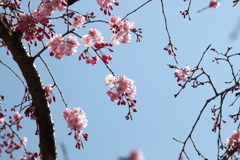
(160, 116)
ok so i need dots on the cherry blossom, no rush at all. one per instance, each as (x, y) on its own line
(24, 140)
(48, 89)
(78, 22)
(77, 121)
(61, 47)
(136, 155)
(87, 40)
(109, 80)
(106, 5)
(76, 118)
(94, 36)
(214, 4)
(49, 94)
(234, 140)
(121, 29)
(17, 116)
(121, 87)
(182, 76)
(1, 120)
(92, 60)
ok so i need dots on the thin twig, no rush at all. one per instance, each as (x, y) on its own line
(55, 83)
(136, 9)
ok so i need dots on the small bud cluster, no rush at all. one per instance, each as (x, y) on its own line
(49, 94)
(77, 121)
(169, 48)
(185, 13)
(196, 83)
(217, 124)
(31, 112)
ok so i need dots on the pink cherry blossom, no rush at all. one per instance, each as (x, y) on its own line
(48, 89)
(61, 47)
(49, 94)
(77, 121)
(182, 76)
(87, 40)
(106, 5)
(234, 140)
(59, 4)
(117, 39)
(110, 80)
(75, 118)
(114, 20)
(46, 9)
(1, 120)
(120, 29)
(55, 42)
(214, 4)
(78, 21)
(24, 141)
(136, 155)
(17, 116)
(121, 87)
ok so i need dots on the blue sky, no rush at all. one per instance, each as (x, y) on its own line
(160, 116)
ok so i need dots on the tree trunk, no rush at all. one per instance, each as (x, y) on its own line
(26, 64)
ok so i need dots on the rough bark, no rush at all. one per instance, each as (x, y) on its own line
(26, 64)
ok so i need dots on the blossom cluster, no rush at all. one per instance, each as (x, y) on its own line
(94, 39)
(234, 140)
(121, 29)
(182, 76)
(28, 24)
(48, 7)
(62, 47)
(106, 5)
(121, 87)
(77, 121)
